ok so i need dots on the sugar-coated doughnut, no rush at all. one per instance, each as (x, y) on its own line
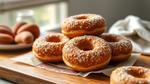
(86, 53)
(49, 47)
(83, 24)
(130, 75)
(120, 45)
(24, 37)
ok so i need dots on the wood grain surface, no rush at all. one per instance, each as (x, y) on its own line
(26, 74)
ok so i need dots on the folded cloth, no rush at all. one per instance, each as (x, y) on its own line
(137, 30)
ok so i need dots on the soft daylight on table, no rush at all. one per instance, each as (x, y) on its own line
(74, 42)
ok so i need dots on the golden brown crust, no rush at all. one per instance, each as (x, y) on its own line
(25, 32)
(48, 58)
(120, 57)
(24, 37)
(86, 53)
(85, 69)
(49, 47)
(130, 75)
(6, 35)
(121, 46)
(86, 23)
(33, 28)
(6, 39)
(17, 26)
(76, 33)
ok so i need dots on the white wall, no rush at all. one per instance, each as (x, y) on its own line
(111, 10)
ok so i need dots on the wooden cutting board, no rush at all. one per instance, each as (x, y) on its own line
(26, 74)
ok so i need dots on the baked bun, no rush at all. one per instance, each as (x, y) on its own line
(29, 31)
(6, 35)
(24, 37)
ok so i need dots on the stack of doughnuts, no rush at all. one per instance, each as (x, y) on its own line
(89, 48)
(21, 33)
(111, 47)
(83, 46)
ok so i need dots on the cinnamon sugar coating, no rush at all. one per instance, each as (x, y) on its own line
(85, 23)
(130, 75)
(50, 44)
(120, 45)
(86, 51)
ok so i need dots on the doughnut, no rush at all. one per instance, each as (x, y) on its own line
(49, 48)
(24, 37)
(6, 39)
(33, 28)
(17, 26)
(121, 47)
(6, 30)
(86, 53)
(130, 75)
(83, 24)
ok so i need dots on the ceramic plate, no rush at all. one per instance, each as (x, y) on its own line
(15, 46)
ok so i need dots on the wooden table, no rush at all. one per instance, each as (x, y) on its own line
(22, 73)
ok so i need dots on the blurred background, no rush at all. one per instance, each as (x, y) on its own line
(48, 14)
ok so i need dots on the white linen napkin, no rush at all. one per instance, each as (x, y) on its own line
(137, 30)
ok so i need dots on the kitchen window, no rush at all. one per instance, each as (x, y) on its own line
(48, 14)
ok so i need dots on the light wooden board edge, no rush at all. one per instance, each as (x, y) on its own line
(32, 75)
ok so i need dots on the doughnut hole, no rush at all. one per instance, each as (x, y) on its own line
(85, 45)
(136, 74)
(81, 17)
(53, 39)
